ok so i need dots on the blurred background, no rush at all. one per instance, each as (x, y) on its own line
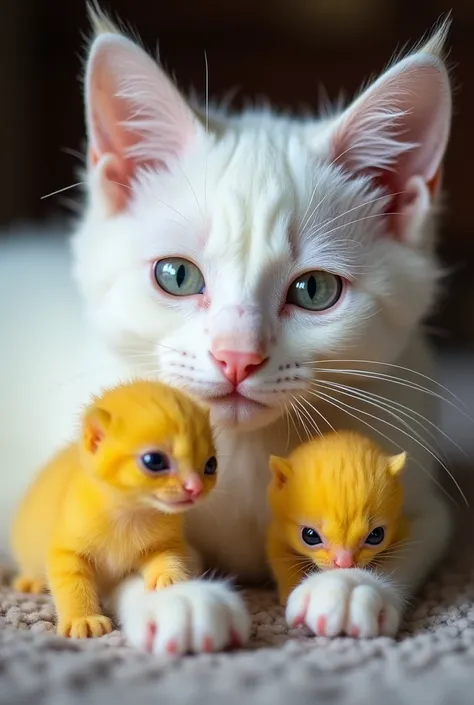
(276, 48)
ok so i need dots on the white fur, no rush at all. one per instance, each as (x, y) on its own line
(255, 202)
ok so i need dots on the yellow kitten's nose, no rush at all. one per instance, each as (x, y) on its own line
(193, 486)
(343, 559)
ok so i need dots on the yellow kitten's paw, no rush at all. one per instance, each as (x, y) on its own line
(85, 627)
(31, 585)
(165, 579)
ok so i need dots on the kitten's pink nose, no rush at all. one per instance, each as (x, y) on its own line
(343, 559)
(193, 485)
(237, 366)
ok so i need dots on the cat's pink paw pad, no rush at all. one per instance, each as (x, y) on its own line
(193, 617)
(150, 636)
(348, 601)
(321, 626)
(207, 644)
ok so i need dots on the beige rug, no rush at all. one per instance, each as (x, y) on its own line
(431, 662)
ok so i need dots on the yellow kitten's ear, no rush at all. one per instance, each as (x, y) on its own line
(96, 423)
(396, 464)
(281, 470)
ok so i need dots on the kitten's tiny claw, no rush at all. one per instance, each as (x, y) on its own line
(29, 585)
(94, 626)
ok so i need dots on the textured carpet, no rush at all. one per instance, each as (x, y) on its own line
(432, 661)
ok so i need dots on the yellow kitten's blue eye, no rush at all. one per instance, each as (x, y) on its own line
(315, 291)
(178, 277)
(376, 536)
(154, 462)
(210, 467)
(310, 536)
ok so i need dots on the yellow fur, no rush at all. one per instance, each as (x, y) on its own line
(343, 486)
(93, 515)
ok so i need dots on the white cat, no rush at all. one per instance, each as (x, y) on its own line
(252, 260)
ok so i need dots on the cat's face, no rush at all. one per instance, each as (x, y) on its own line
(337, 501)
(234, 259)
(150, 448)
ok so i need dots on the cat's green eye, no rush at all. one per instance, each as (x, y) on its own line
(178, 277)
(315, 291)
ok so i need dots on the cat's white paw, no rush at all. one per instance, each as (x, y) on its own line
(349, 601)
(191, 617)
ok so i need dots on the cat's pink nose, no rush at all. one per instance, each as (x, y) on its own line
(237, 366)
(343, 559)
(193, 485)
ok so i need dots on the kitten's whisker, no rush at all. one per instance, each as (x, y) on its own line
(330, 400)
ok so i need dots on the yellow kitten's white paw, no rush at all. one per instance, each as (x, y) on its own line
(192, 617)
(349, 601)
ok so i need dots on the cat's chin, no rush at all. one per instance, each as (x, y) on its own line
(239, 413)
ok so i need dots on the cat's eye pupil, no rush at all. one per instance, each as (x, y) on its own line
(180, 275)
(310, 536)
(155, 462)
(315, 291)
(376, 536)
(210, 467)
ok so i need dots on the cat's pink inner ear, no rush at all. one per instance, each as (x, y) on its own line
(397, 131)
(136, 118)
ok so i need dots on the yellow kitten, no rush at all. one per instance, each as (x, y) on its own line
(335, 502)
(112, 502)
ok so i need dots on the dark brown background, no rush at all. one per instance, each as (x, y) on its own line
(276, 48)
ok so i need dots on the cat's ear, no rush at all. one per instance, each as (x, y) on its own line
(397, 131)
(95, 425)
(280, 469)
(396, 463)
(136, 118)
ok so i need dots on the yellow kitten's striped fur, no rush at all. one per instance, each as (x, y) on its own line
(341, 488)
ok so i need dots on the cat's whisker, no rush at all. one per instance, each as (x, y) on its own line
(62, 190)
(320, 414)
(400, 381)
(294, 422)
(388, 364)
(415, 440)
(308, 416)
(206, 63)
(380, 403)
(325, 397)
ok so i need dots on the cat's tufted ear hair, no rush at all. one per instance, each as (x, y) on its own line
(136, 118)
(95, 425)
(396, 463)
(280, 469)
(397, 130)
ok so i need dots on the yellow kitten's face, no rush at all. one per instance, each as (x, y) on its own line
(337, 501)
(153, 445)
